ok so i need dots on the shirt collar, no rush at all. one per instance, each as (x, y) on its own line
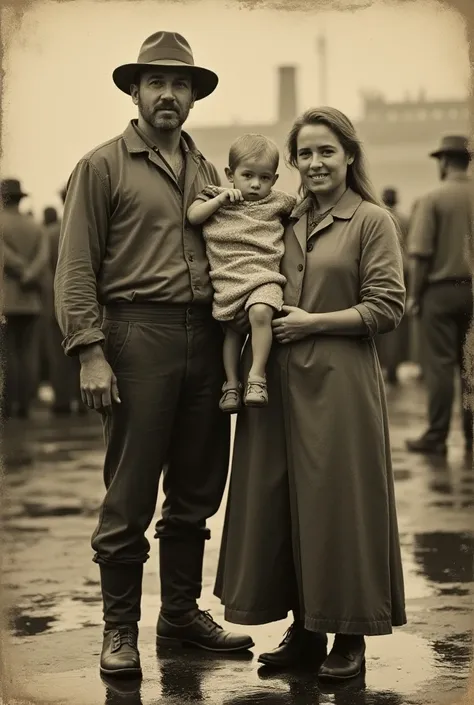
(458, 176)
(136, 141)
(344, 208)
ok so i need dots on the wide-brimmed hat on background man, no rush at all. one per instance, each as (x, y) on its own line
(167, 49)
(452, 144)
(11, 188)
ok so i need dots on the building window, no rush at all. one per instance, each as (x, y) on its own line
(438, 114)
(453, 113)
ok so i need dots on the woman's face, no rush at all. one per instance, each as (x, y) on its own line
(321, 161)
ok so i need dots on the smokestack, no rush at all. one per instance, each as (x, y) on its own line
(322, 55)
(286, 93)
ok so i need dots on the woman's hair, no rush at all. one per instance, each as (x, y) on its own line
(253, 146)
(342, 127)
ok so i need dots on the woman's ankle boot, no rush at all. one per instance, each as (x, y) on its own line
(346, 659)
(298, 645)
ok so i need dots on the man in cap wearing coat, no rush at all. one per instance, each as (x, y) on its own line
(440, 290)
(153, 364)
(25, 257)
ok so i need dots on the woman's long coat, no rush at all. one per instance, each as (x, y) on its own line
(311, 517)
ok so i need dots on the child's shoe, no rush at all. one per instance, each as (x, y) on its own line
(231, 400)
(256, 392)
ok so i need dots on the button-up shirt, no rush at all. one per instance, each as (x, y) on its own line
(441, 229)
(125, 236)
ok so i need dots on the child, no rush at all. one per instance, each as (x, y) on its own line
(243, 231)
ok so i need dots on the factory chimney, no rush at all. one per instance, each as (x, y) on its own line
(322, 58)
(287, 106)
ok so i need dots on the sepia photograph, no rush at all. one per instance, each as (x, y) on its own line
(237, 352)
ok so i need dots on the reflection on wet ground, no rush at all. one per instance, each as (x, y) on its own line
(54, 488)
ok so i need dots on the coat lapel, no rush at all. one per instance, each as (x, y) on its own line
(343, 210)
(299, 228)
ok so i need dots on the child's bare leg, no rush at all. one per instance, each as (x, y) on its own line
(231, 399)
(231, 352)
(260, 317)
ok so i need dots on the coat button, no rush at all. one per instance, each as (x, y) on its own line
(309, 247)
(300, 268)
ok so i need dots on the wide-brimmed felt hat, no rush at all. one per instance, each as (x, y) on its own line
(171, 50)
(11, 188)
(452, 144)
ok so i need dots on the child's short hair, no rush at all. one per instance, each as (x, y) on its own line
(253, 145)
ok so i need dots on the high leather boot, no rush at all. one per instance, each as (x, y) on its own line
(180, 621)
(121, 586)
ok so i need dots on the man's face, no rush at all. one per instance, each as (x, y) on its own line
(164, 97)
(442, 167)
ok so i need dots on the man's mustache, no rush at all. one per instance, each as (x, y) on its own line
(167, 106)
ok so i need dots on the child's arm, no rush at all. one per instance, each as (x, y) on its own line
(200, 211)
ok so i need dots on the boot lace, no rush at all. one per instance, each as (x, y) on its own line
(205, 616)
(123, 636)
(288, 634)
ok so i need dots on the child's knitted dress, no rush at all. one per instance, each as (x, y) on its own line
(244, 244)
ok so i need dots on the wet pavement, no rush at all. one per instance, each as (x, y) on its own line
(53, 488)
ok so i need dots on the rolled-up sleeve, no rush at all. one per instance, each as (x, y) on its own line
(81, 250)
(422, 233)
(382, 289)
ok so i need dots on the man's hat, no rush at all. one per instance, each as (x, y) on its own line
(452, 144)
(11, 188)
(171, 50)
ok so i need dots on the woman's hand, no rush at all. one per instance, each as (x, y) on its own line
(294, 326)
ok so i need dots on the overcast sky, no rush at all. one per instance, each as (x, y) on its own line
(61, 102)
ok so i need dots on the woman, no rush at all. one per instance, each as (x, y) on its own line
(311, 521)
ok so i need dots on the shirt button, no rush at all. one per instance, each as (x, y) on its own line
(309, 247)
(300, 268)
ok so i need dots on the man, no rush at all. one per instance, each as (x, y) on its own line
(393, 347)
(25, 259)
(154, 366)
(440, 290)
(63, 370)
(50, 220)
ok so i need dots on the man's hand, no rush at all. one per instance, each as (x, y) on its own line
(240, 323)
(98, 382)
(412, 307)
(230, 195)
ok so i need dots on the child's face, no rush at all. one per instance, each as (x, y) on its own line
(254, 178)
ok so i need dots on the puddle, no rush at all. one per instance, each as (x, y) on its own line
(28, 625)
(444, 557)
(401, 474)
(455, 590)
(35, 510)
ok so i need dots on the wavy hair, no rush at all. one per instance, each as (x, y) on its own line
(357, 177)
